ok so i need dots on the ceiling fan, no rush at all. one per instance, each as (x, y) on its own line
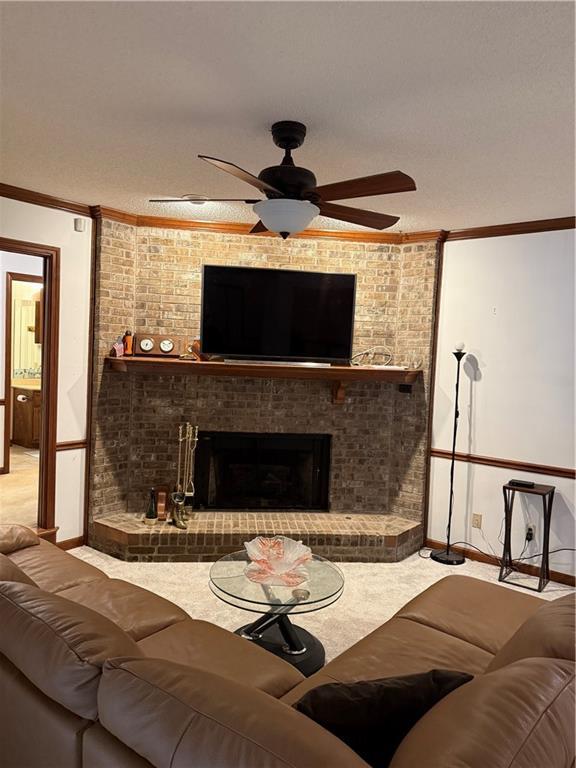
(292, 197)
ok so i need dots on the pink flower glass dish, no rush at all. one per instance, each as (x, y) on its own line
(277, 561)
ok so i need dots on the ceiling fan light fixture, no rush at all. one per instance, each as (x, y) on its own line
(195, 199)
(286, 216)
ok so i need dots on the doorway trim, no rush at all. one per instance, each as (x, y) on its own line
(51, 272)
(12, 277)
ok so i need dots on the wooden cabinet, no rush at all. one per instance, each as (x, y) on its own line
(26, 417)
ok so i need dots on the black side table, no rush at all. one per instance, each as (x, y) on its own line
(507, 566)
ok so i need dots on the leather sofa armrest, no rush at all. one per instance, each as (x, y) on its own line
(178, 716)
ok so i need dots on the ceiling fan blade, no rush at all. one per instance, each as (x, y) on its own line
(240, 173)
(258, 227)
(357, 215)
(201, 200)
(366, 186)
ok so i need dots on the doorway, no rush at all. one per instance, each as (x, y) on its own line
(28, 352)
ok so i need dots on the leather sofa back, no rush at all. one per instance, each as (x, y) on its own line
(52, 569)
(550, 633)
(35, 731)
(58, 645)
(9, 571)
(520, 716)
(181, 717)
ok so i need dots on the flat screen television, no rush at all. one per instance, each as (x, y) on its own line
(277, 314)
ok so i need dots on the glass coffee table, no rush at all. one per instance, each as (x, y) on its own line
(273, 630)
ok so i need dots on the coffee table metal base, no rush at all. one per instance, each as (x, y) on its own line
(277, 634)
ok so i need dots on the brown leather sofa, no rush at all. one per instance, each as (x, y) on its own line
(99, 673)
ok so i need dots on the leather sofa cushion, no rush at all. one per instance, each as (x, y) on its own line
(137, 611)
(52, 569)
(9, 571)
(102, 750)
(206, 646)
(178, 717)
(549, 632)
(521, 716)
(479, 612)
(399, 647)
(58, 645)
(14, 537)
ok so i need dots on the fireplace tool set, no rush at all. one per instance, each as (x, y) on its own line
(183, 495)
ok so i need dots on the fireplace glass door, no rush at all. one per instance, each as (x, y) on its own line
(245, 470)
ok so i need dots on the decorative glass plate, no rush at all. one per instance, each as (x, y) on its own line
(277, 561)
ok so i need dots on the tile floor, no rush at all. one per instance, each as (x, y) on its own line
(19, 488)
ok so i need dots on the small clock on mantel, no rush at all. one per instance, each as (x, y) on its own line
(162, 345)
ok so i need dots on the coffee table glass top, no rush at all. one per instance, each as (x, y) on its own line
(228, 581)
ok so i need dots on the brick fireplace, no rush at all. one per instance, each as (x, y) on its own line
(148, 279)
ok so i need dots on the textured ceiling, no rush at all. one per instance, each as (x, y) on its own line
(109, 103)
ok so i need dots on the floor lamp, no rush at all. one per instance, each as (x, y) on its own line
(445, 556)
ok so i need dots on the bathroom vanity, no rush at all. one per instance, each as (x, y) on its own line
(26, 412)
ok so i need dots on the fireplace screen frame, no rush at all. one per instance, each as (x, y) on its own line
(206, 469)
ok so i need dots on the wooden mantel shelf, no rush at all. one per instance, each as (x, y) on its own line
(337, 375)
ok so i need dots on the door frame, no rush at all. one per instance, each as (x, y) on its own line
(51, 283)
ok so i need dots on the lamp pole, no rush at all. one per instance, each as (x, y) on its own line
(445, 556)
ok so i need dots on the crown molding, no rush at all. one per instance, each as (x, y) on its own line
(46, 201)
(519, 228)
(239, 228)
(112, 214)
(434, 235)
(235, 228)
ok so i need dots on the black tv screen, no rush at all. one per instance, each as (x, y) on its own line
(277, 314)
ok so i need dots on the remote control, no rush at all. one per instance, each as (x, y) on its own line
(521, 483)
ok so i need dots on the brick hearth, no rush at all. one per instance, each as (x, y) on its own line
(355, 537)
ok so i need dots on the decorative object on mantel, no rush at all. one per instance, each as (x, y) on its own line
(128, 341)
(162, 345)
(378, 355)
(338, 375)
(183, 495)
(117, 348)
(294, 198)
(277, 561)
(193, 351)
(151, 514)
(445, 556)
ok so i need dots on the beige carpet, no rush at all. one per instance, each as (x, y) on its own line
(373, 592)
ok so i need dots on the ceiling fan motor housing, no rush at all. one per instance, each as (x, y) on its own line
(294, 182)
(288, 134)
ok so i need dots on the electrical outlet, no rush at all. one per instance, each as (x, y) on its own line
(530, 532)
(476, 521)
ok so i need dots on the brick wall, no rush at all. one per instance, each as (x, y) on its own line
(149, 280)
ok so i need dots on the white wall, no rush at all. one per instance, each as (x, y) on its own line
(511, 300)
(45, 226)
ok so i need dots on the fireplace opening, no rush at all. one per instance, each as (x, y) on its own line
(254, 470)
